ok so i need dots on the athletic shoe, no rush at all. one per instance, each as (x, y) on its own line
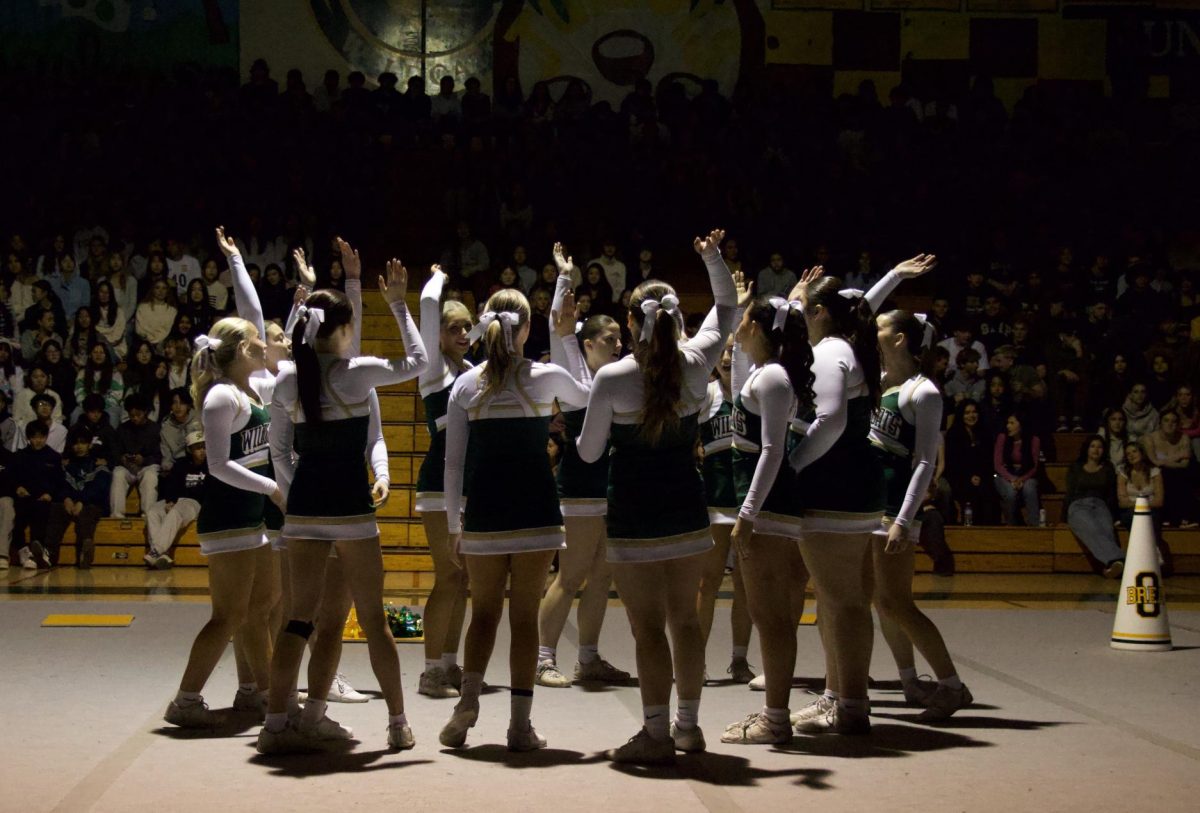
(400, 738)
(3, 563)
(454, 676)
(149, 559)
(945, 702)
(291, 739)
(758, 684)
(325, 729)
(342, 692)
(642, 749)
(548, 674)
(87, 555)
(247, 702)
(526, 740)
(163, 562)
(40, 555)
(918, 692)
(435, 683)
(1114, 569)
(817, 708)
(740, 672)
(757, 729)
(191, 715)
(688, 740)
(600, 671)
(28, 562)
(837, 721)
(454, 732)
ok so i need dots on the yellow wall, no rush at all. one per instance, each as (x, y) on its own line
(285, 33)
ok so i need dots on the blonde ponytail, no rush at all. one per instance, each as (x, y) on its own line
(215, 353)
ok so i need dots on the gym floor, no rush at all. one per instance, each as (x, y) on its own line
(1061, 722)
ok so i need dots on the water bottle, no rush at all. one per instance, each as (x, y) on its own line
(968, 515)
(1042, 518)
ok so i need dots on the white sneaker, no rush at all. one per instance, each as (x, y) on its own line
(642, 749)
(400, 738)
(192, 715)
(525, 740)
(454, 676)
(817, 708)
(30, 563)
(251, 702)
(548, 674)
(918, 692)
(436, 683)
(291, 739)
(758, 684)
(325, 729)
(600, 671)
(464, 717)
(342, 692)
(688, 740)
(944, 702)
(757, 729)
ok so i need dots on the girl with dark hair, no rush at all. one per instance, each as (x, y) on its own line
(596, 286)
(44, 299)
(1091, 505)
(274, 294)
(196, 304)
(61, 370)
(773, 380)
(996, 404)
(99, 377)
(12, 377)
(37, 381)
(905, 432)
(83, 336)
(498, 418)
(1114, 436)
(582, 494)
(657, 519)
(111, 322)
(320, 426)
(969, 465)
(124, 285)
(1016, 454)
(444, 330)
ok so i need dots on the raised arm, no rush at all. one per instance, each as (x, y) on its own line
(221, 408)
(562, 286)
(909, 269)
(831, 369)
(245, 298)
(352, 265)
(593, 438)
(564, 346)
(431, 326)
(709, 340)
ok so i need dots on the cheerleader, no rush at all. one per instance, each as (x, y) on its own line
(905, 432)
(499, 417)
(657, 520)
(773, 338)
(716, 444)
(445, 327)
(320, 426)
(582, 493)
(230, 525)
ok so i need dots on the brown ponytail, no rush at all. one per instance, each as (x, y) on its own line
(789, 345)
(658, 358)
(501, 362)
(338, 312)
(853, 321)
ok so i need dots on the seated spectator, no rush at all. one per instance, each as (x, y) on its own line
(275, 295)
(1114, 436)
(527, 276)
(775, 279)
(1067, 363)
(994, 328)
(507, 279)
(933, 364)
(156, 314)
(37, 382)
(37, 477)
(182, 492)
(614, 271)
(218, 292)
(96, 421)
(596, 286)
(42, 331)
(996, 404)
(8, 427)
(197, 306)
(124, 285)
(111, 319)
(83, 500)
(467, 262)
(8, 322)
(1184, 405)
(1091, 505)
(963, 339)
(138, 453)
(12, 377)
(970, 300)
(44, 301)
(62, 372)
(1171, 451)
(537, 346)
(970, 465)
(1137, 477)
(146, 374)
(1113, 381)
(71, 289)
(178, 353)
(1015, 457)
(1160, 383)
(181, 421)
(99, 378)
(83, 336)
(1141, 418)
(966, 382)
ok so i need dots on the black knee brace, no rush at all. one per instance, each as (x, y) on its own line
(302, 628)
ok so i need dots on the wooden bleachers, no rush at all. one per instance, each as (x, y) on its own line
(978, 549)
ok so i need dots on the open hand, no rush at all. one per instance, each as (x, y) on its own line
(918, 265)
(301, 295)
(745, 290)
(308, 277)
(565, 264)
(351, 262)
(228, 247)
(897, 539)
(564, 320)
(807, 277)
(396, 283)
(711, 245)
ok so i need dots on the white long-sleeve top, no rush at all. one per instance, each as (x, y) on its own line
(920, 404)
(529, 392)
(154, 320)
(618, 394)
(838, 379)
(767, 393)
(441, 371)
(346, 391)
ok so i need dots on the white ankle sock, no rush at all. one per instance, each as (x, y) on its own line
(449, 659)
(397, 719)
(740, 652)
(247, 688)
(438, 664)
(657, 721)
(521, 702)
(547, 653)
(314, 711)
(472, 686)
(183, 698)
(276, 722)
(908, 675)
(953, 682)
(687, 715)
(589, 654)
(830, 694)
(779, 717)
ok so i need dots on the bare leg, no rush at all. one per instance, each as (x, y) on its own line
(712, 577)
(593, 601)
(447, 602)
(836, 564)
(326, 644)
(307, 560)
(768, 576)
(489, 575)
(893, 599)
(362, 567)
(525, 594)
(231, 581)
(584, 537)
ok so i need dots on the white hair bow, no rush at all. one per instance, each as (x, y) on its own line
(851, 293)
(316, 317)
(650, 309)
(930, 334)
(782, 309)
(205, 347)
(508, 320)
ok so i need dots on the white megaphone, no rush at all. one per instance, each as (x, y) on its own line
(1141, 622)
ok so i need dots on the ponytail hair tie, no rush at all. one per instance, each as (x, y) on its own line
(314, 318)
(206, 346)
(782, 308)
(928, 339)
(851, 293)
(508, 320)
(650, 309)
